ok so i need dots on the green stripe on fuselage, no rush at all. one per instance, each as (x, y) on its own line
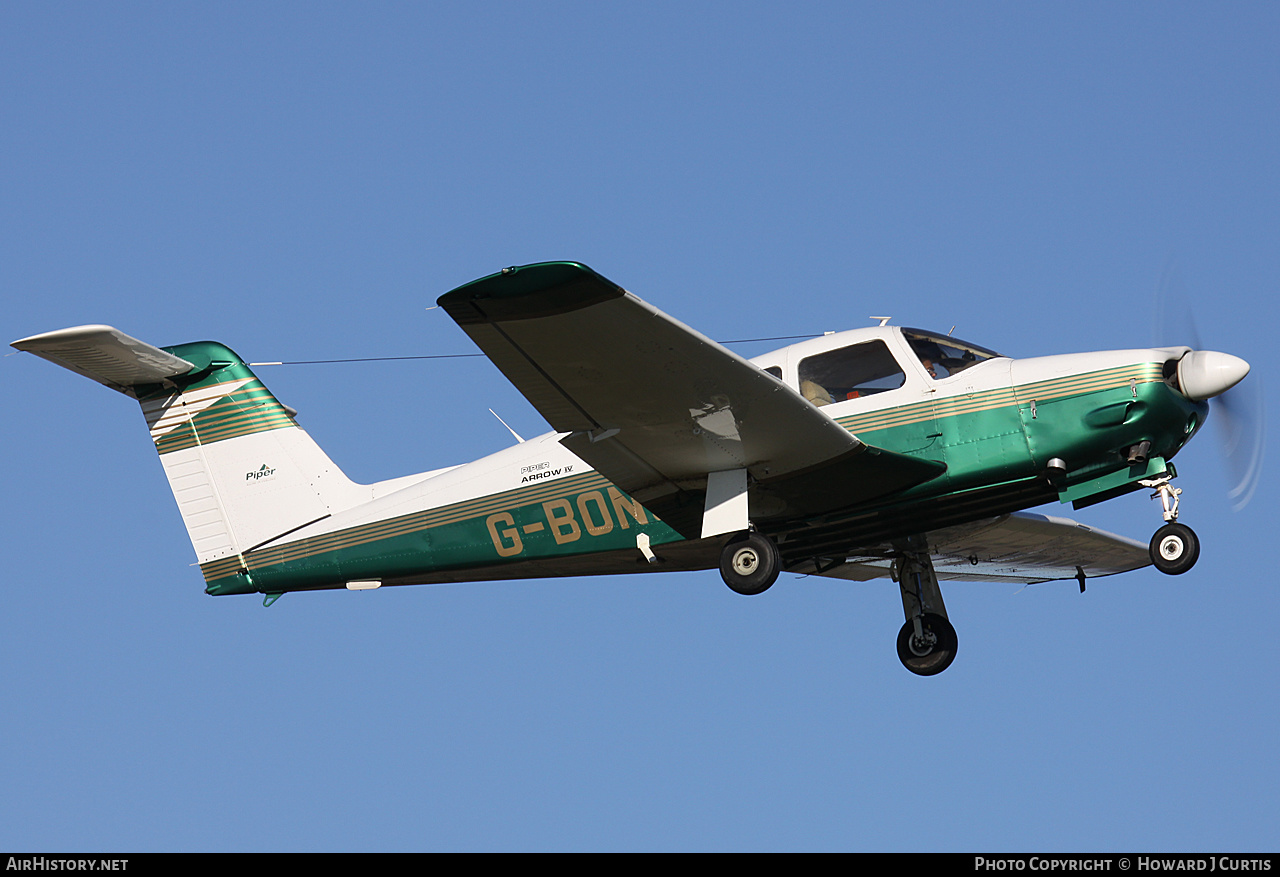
(579, 514)
(1004, 434)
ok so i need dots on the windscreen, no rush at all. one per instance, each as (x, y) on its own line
(943, 356)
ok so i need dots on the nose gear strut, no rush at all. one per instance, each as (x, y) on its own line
(1174, 548)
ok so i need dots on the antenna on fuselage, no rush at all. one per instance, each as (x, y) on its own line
(884, 321)
(509, 429)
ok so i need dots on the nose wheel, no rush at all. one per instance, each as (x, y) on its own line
(1174, 549)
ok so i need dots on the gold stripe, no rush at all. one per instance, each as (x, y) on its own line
(157, 399)
(184, 437)
(988, 400)
(249, 409)
(183, 442)
(415, 522)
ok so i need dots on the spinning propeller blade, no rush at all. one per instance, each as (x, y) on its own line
(1240, 413)
(1242, 425)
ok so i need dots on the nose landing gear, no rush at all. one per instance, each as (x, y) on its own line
(1175, 548)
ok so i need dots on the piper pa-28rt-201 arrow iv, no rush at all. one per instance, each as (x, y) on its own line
(884, 452)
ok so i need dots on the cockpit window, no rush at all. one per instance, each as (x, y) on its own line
(849, 373)
(943, 356)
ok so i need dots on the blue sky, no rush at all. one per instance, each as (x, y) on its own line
(301, 181)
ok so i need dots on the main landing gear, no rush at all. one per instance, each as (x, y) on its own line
(750, 563)
(927, 642)
(1174, 547)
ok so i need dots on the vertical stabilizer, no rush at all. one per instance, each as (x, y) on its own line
(241, 469)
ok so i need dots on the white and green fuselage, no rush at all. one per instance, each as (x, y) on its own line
(268, 512)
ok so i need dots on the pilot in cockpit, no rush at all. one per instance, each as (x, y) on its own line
(930, 354)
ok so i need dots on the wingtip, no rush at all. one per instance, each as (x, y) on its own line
(522, 292)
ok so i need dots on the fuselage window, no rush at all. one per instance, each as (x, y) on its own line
(775, 370)
(850, 373)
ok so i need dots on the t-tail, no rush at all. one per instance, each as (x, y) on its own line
(243, 472)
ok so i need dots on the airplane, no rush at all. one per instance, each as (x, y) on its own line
(882, 452)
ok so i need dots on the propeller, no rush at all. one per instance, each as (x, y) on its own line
(1242, 425)
(1239, 414)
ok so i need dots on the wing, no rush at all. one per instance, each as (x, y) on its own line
(656, 407)
(1023, 547)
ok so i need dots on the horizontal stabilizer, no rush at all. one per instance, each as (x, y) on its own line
(106, 355)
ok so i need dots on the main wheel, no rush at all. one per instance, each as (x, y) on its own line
(931, 655)
(1174, 549)
(750, 563)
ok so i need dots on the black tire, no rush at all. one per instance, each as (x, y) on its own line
(927, 659)
(1175, 548)
(750, 563)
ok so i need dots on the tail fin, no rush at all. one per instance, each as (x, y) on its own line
(241, 469)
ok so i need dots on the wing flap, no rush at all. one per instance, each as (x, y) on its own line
(1023, 547)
